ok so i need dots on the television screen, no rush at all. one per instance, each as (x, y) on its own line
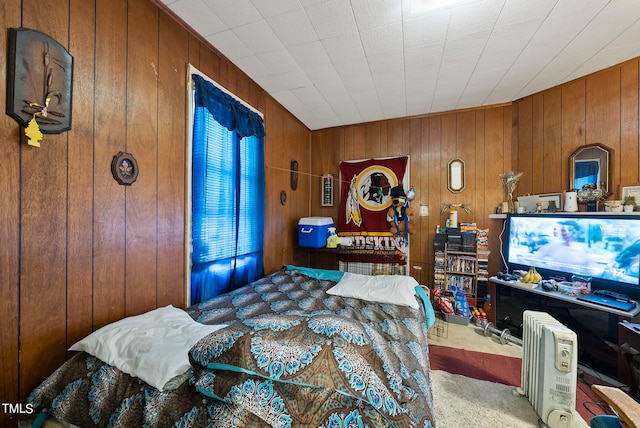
(603, 246)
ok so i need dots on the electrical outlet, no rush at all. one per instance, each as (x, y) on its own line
(424, 210)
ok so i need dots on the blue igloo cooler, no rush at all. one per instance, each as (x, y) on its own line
(313, 231)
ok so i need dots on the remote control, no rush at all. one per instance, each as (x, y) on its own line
(612, 294)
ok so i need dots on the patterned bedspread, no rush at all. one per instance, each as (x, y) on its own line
(291, 356)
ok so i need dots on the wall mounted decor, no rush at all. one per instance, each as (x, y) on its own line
(455, 176)
(39, 82)
(327, 190)
(294, 174)
(631, 191)
(589, 166)
(124, 168)
(546, 198)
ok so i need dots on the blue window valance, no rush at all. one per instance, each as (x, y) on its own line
(227, 110)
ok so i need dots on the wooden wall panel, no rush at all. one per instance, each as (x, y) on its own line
(109, 139)
(551, 147)
(481, 137)
(466, 150)
(173, 51)
(436, 182)
(498, 149)
(419, 180)
(80, 199)
(421, 154)
(277, 179)
(629, 127)
(10, 172)
(326, 148)
(524, 148)
(573, 126)
(209, 64)
(480, 155)
(79, 250)
(286, 140)
(598, 108)
(537, 141)
(394, 137)
(603, 117)
(43, 233)
(141, 142)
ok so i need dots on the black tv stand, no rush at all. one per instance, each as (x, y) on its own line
(597, 327)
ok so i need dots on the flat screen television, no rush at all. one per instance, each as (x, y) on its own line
(605, 247)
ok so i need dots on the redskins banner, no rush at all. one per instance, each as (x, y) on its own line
(365, 198)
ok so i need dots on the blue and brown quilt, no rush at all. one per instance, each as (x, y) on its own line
(291, 356)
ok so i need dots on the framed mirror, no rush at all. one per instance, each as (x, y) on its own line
(589, 167)
(455, 175)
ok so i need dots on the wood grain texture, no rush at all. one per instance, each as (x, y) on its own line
(629, 124)
(79, 250)
(551, 147)
(43, 231)
(479, 137)
(599, 108)
(80, 177)
(109, 139)
(622, 404)
(10, 171)
(173, 57)
(141, 141)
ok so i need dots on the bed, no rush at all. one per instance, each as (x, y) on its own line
(294, 350)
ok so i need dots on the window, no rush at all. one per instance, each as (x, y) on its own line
(227, 193)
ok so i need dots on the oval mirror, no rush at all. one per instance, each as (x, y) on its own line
(589, 167)
(455, 175)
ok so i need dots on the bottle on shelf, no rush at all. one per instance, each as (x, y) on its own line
(332, 238)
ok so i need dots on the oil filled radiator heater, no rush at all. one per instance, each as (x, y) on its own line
(549, 368)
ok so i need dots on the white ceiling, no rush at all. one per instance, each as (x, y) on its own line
(337, 62)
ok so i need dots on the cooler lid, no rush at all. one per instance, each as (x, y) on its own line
(315, 221)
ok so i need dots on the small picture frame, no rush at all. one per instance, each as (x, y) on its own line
(546, 197)
(327, 190)
(631, 191)
(124, 168)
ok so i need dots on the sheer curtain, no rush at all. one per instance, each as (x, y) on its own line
(227, 193)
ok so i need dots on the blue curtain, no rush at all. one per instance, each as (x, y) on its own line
(228, 184)
(586, 173)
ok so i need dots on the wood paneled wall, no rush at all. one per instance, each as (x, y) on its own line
(78, 250)
(550, 125)
(481, 137)
(535, 135)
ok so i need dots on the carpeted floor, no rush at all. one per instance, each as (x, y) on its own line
(464, 402)
(466, 351)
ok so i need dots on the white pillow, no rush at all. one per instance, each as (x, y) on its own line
(153, 346)
(395, 289)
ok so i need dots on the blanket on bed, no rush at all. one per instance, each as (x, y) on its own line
(291, 355)
(347, 369)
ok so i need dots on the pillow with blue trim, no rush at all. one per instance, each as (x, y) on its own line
(153, 346)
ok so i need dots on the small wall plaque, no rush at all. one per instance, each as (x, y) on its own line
(39, 79)
(327, 190)
(124, 168)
